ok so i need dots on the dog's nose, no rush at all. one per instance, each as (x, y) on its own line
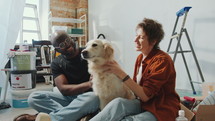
(84, 53)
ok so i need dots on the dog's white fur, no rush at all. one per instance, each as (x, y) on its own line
(106, 85)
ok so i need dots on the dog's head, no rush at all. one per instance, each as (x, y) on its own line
(97, 50)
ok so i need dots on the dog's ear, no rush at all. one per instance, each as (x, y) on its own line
(108, 51)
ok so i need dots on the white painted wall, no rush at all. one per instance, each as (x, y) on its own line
(117, 19)
(44, 8)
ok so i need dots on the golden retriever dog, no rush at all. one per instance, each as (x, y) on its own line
(106, 85)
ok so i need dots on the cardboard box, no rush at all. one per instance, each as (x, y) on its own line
(188, 114)
(205, 113)
(207, 88)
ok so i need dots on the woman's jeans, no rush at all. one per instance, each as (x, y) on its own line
(64, 108)
(124, 110)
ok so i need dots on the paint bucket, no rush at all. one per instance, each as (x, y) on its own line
(23, 61)
(23, 79)
(20, 98)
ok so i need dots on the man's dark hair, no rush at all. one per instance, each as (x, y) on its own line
(59, 37)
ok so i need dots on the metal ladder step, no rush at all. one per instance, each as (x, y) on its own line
(185, 51)
(196, 82)
(175, 36)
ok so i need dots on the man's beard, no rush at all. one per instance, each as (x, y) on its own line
(70, 54)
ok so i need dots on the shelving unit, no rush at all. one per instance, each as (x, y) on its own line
(81, 24)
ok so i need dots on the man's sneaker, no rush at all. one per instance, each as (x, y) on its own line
(43, 117)
(25, 117)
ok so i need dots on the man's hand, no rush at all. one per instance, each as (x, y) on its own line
(71, 89)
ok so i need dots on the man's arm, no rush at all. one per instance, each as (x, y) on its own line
(71, 89)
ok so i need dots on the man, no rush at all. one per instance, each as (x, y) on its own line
(71, 77)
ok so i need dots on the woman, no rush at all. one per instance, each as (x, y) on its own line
(153, 82)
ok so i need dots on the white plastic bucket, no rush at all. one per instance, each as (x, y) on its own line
(23, 61)
(23, 79)
(20, 98)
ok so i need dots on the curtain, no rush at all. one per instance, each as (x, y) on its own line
(11, 12)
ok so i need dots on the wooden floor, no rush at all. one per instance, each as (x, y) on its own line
(9, 114)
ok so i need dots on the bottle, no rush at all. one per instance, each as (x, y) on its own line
(181, 115)
(24, 46)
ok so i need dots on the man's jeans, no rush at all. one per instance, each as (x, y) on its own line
(64, 108)
(124, 110)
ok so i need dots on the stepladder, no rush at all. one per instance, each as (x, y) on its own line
(36, 35)
(178, 37)
(33, 19)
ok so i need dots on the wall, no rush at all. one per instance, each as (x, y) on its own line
(118, 19)
(69, 9)
(62, 9)
(44, 14)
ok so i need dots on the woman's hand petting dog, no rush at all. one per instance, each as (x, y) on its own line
(114, 67)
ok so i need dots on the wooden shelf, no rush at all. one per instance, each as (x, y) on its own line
(81, 24)
(66, 20)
